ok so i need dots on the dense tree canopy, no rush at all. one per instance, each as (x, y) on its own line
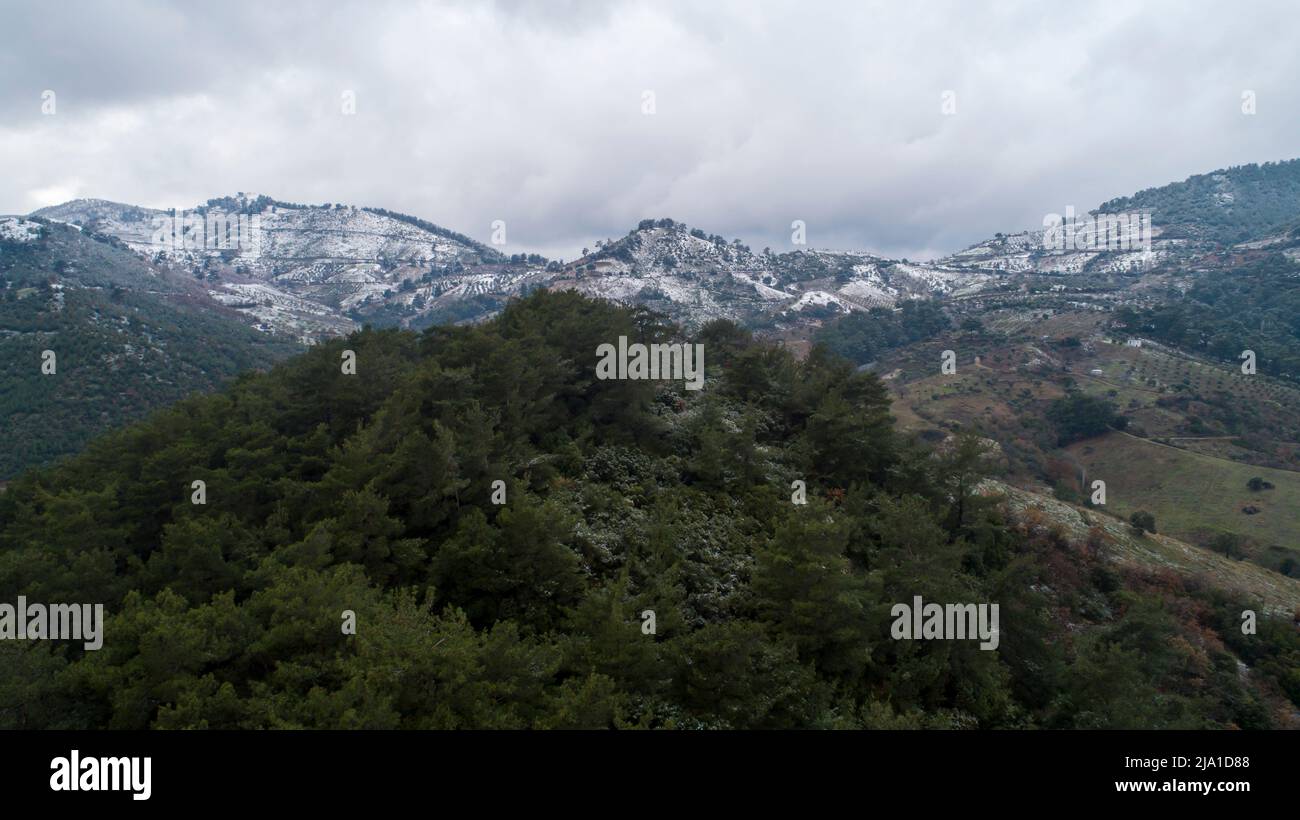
(1252, 307)
(1078, 416)
(862, 337)
(372, 494)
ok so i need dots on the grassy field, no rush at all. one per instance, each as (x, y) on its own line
(1224, 426)
(1273, 592)
(1193, 495)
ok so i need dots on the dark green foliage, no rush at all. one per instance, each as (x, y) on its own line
(861, 337)
(1232, 205)
(372, 494)
(1142, 521)
(1250, 307)
(1079, 416)
(128, 339)
(1228, 543)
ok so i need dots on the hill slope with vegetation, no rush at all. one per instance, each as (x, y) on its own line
(127, 339)
(372, 494)
(1229, 205)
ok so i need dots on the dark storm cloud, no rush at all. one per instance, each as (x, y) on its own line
(532, 112)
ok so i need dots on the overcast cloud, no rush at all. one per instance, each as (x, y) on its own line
(532, 112)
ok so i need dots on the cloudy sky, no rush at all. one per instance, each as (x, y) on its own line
(910, 128)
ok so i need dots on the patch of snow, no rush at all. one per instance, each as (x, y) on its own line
(18, 229)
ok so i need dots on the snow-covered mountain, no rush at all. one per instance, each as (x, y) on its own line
(178, 295)
(313, 271)
(1054, 251)
(304, 271)
(695, 276)
(309, 272)
(131, 224)
(1200, 223)
(685, 273)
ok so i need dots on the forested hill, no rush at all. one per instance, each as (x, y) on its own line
(1230, 205)
(125, 336)
(371, 493)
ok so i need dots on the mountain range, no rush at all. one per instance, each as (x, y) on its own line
(317, 272)
(321, 270)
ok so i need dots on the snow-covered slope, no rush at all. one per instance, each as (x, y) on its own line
(685, 273)
(694, 276)
(130, 223)
(1049, 251)
(305, 271)
(18, 229)
(314, 271)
